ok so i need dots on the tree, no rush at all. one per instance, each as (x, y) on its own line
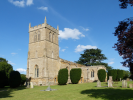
(3, 60)
(125, 40)
(124, 3)
(126, 74)
(23, 79)
(92, 57)
(7, 68)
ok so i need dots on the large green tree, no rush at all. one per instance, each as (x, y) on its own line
(7, 68)
(92, 57)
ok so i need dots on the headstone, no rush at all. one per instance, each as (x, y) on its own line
(120, 79)
(130, 85)
(31, 85)
(98, 83)
(110, 78)
(127, 79)
(124, 83)
(110, 83)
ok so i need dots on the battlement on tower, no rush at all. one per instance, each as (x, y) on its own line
(43, 25)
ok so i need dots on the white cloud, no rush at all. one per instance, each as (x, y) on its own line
(21, 70)
(110, 63)
(13, 54)
(70, 33)
(43, 8)
(85, 29)
(29, 2)
(80, 48)
(18, 3)
(9, 62)
(63, 50)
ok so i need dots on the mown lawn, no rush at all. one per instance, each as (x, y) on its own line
(84, 91)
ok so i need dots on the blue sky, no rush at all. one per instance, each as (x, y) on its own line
(83, 24)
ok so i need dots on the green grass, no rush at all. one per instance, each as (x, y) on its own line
(84, 91)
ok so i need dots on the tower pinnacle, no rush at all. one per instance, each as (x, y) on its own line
(45, 20)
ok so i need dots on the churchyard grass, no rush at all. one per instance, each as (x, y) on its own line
(84, 91)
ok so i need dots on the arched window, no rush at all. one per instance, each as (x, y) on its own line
(53, 38)
(35, 37)
(49, 36)
(36, 71)
(92, 73)
(38, 36)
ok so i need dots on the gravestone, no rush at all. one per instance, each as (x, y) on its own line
(110, 83)
(127, 79)
(98, 83)
(130, 85)
(110, 78)
(124, 83)
(31, 85)
(130, 79)
(120, 79)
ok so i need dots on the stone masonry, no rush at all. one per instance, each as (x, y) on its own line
(43, 61)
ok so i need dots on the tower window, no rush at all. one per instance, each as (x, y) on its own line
(39, 36)
(36, 71)
(35, 37)
(49, 37)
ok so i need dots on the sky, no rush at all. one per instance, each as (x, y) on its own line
(83, 24)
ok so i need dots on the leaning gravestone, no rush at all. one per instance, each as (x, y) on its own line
(130, 85)
(124, 83)
(98, 83)
(31, 85)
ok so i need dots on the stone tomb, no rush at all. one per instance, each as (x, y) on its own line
(127, 79)
(98, 83)
(124, 83)
(130, 85)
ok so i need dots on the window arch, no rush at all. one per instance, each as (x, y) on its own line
(36, 71)
(92, 73)
(49, 36)
(35, 37)
(39, 37)
(53, 38)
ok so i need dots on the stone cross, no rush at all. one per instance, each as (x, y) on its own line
(48, 89)
(98, 83)
(124, 83)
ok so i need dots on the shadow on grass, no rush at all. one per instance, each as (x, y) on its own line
(5, 92)
(110, 94)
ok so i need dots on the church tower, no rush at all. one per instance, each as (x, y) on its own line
(43, 53)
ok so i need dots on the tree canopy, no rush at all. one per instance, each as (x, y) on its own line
(92, 57)
(125, 3)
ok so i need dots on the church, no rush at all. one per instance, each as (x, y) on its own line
(43, 62)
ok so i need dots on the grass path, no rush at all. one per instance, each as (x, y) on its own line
(84, 91)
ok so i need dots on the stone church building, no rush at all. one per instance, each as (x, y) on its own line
(43, 61)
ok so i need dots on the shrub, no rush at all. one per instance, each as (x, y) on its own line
(75, 75)
(23, 79)
(119, 74)
(2, 79)
(15, 79)
(101, 75)
(63, 76)
(112, 73)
